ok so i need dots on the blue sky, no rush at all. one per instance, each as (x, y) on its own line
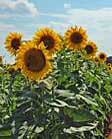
(26, 16)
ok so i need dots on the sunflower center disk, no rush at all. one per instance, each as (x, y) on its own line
(96, 60)
(76, 38)
(35, 60)
(15, 43)
(89, 49)
(48, 42)
(102, 56)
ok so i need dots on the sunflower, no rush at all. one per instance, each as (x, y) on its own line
(102, 57)
(13, 42)
(51, 39)
(33, 61)
(75, 38)
(95, 59)
(109, 67)
(90, 49)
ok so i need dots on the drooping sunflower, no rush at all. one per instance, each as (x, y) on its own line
(102, 57)
(34, 62)
(75, 38)
(90, 49)
(13, 42)
(50, 38)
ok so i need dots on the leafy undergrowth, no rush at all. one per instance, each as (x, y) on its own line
(72, 103)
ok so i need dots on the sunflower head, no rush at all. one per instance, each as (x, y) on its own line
(13, 42)
(95, 59)
(102, 57)
(33, 61)
(90, 49)
(11, 70)
(109, 67)
(50, 38)
(75, 38)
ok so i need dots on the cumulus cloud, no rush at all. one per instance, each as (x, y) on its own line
(24, 4)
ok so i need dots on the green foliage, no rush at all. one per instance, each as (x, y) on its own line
(72, 103)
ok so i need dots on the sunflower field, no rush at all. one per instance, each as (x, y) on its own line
(60, 86)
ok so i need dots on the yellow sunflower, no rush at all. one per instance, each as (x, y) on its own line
(51, 39)
(95, 59)
(34, 62)
(90, 49)
(75, 38)
(102, 57)
(109, 67)
(13, 42)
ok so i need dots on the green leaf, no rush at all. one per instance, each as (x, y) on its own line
(39, 129)
(4, 132)
(57, 103)
(79, 115)
(72, 130)
(87, 100)
(64, 93)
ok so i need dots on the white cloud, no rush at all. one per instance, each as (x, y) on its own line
(54, 15)
(99, 16)
(58, 23)
(6, 27)
(29, 6)
(67, 5)
(4, 16)
(59, 26)
(7, 4)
